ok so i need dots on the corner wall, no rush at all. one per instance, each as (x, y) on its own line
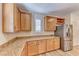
(73, 18)
(75, 22)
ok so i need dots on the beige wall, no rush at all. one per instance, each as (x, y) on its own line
(67, 19)
(75, 22)
(73, 18)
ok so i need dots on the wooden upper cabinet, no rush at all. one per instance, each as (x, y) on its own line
(25, 21)
(50, 23)
(14, 20)
(60, 21)
(11, 20)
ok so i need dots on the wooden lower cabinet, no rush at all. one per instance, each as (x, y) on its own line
(56, 43)
(42, 46)
(32, 48)
(50, 44)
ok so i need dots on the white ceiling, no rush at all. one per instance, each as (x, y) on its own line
(50, 8)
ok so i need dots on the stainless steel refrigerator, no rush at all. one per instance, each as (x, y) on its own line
(65, 32)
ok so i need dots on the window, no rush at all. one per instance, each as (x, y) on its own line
(38, 25)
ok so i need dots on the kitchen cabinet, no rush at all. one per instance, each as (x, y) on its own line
(32, 48)
(42, 46)
(50, 23)
(56, 43)
(11, 18)
(24, 51)
(50, 44)
(17, 19)
(36, 47)
(25, 21)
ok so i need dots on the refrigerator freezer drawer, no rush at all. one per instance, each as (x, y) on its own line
(68, 45)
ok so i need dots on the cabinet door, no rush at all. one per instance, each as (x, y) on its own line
(16, 19)
(25, 22)
(50, 44)
(24, 51)
(8, 17)
(56, 43)
(50, 23)
(32, 48)
(42, 46)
